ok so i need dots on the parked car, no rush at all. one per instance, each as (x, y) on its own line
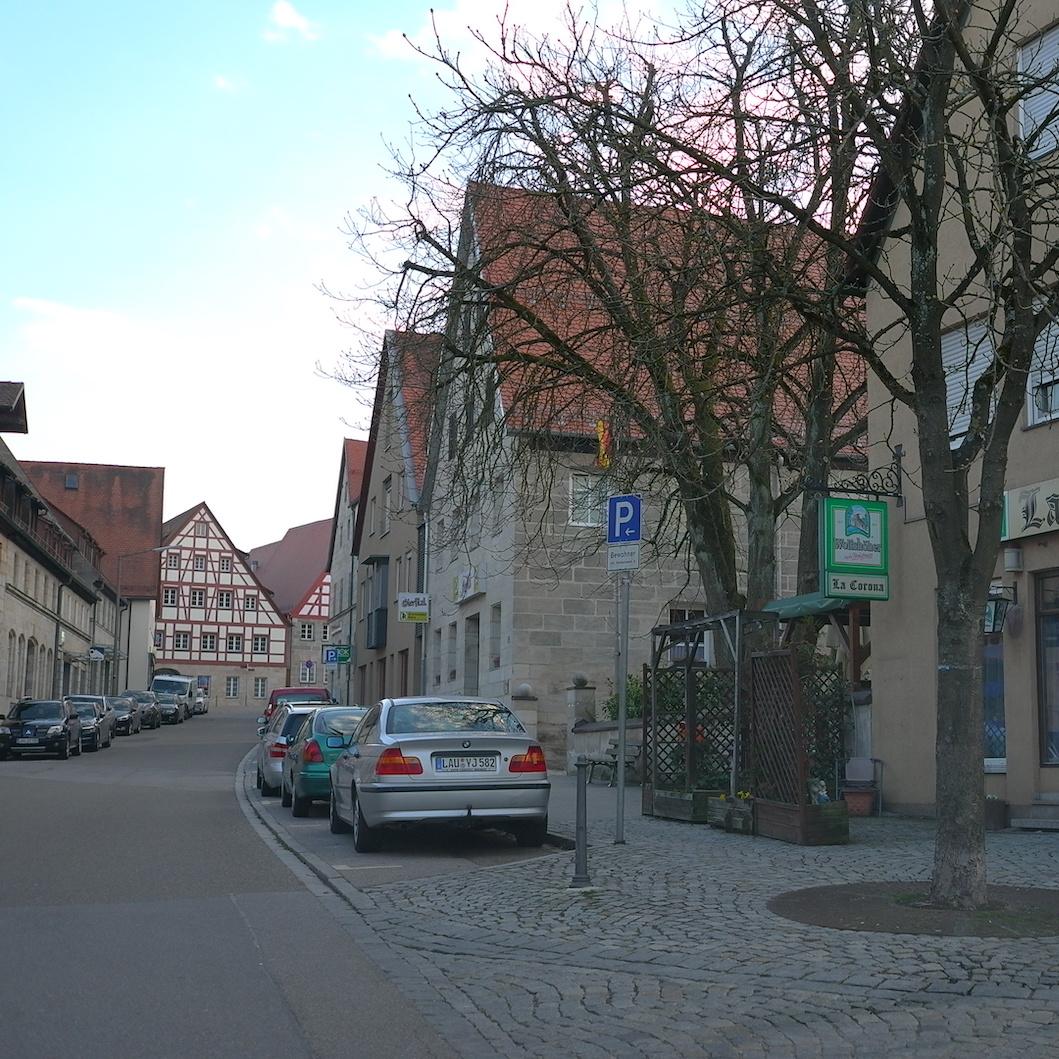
(184, 688)
(274, 736)
(201, 705)
(421, 760)
(170, 707)
(127, 719)
(320, 696)
(307, 766)
(97, 723)
(150, 715)
(41, 726)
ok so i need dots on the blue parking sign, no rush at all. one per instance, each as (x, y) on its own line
(623, 519)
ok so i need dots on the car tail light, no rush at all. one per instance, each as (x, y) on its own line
(277, 750)
(392, 762)
(531, 761)
(311, 752)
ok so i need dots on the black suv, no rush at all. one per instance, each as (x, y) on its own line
(41, 726)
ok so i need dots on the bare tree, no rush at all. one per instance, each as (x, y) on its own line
(959, 227)
(598, 271)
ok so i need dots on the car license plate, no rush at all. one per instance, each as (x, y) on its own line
(465, 763)
(25, 740)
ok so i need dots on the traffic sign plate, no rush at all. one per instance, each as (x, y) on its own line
(623, 519)
(623, 557)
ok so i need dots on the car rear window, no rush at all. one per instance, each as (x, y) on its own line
(451, 717)
(293, 722)
(337, 722)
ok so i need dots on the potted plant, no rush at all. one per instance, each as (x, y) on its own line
(996, 813)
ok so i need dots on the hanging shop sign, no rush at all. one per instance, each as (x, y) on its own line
(854, 548)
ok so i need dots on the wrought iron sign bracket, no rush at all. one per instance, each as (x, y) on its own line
(879, 483)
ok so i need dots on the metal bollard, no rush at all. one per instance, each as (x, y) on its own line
(581, 850)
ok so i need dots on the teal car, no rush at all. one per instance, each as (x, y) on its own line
(312, 752)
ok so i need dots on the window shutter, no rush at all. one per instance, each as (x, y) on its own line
(1040, 108)
(966, 352)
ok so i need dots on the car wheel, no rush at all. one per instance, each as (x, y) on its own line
(285, 796)
(299, 806)
(337, 824)
(94, 745)
(63, 754)
(532, 833)
(257, 782)
(267, 790)
(365, 839)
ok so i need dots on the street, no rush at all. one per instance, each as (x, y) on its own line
(142, 916)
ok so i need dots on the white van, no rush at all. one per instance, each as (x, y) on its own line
(184, 688)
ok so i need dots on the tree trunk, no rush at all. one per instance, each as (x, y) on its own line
(959, 853)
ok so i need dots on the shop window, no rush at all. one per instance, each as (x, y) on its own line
(1048, 663)
(995, 748)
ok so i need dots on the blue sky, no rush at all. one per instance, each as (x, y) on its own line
(175, 180)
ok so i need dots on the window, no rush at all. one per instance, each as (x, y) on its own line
(259, 645)
(452, 651)
(410, 578)
(588, 494)
(437, 656)
(235, 642)
(231, 687)
(198, 597)
(307, 672)
(371, 516)
(387, 501)
(250, 602)
(325, 633)
(226, 564)
(208, 641)
(1039, 108)
(169, 597)
(1042, 404)
(306, 631)
(224, 600)
(966, 352)
(71, 480)
(201, 529)
(678, 651)
(181, 641)
(159, 641)
(260, 687)
(494, 636)
(199, 562)
(995, 750)
(1048, 665)
(398, 578)
(172, 560)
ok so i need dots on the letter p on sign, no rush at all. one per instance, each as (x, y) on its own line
(623, 519)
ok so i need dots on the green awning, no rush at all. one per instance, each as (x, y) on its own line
(802, 606)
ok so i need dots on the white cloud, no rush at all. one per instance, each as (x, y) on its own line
(224, 84)
(285, 19)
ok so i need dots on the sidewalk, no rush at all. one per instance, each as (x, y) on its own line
(602, 806)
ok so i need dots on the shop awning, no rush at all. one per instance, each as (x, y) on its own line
(802, 606)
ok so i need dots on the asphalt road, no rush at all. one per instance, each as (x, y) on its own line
(143, 916)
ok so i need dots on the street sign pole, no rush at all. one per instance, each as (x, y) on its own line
(624, 580)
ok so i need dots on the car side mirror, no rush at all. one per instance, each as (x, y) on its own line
(261, 720)
(261, 731)
(335, 742)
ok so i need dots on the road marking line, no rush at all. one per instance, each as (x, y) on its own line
(362, 867)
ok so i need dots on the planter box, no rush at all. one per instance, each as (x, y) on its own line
(859, 802)
(732, 814)
(691, 806)
(996, 814)
(810, 825)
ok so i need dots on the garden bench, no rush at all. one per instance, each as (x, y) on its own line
(609, 759)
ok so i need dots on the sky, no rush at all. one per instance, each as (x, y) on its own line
(173, 193)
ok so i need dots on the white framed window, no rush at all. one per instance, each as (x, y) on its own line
(224, 599)
(495, 626)
(231, 687)
(325, 633)
(260, 687)
(966, 352)
(259, 645)
(199, 562)
(172, 560)
(181, 641)
(169, 597)
(208, 641)
(1039, 108)
(588, 496)
(201, 529)
(226, 564)
(371, 517)
(159, 640)
(235, 642)
(1042, 384)
(306, 631)
(307, 672)
(198, 597)
(249, 601)
(387, 503)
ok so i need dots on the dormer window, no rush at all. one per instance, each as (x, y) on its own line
(72, 480)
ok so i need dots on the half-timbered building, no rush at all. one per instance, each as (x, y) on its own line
(217, 621)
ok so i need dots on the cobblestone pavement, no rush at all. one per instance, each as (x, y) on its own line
(674, 953)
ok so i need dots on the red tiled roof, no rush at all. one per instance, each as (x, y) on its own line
(528, 249)
(355, 454)
(291, 566)
(120, 506)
